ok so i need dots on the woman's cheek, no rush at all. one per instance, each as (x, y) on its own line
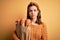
(30, 14)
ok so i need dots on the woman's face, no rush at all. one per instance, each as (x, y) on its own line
(33, 12)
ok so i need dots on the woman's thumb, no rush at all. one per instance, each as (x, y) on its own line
(28, 22)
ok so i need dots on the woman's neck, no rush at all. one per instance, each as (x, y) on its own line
(33, 20)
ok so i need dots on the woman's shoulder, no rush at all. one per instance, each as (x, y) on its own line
(43, 24)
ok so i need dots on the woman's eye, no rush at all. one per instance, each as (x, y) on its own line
(30, 10)
(34, 10)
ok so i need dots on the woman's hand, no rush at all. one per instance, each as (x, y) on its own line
(25, 24)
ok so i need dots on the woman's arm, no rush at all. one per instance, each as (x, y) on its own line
(44, 32)
(15, 36)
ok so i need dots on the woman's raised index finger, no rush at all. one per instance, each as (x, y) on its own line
(22, 22)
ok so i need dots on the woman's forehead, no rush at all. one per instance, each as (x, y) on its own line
(32, 7)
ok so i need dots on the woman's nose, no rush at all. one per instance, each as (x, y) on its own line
(32, 12)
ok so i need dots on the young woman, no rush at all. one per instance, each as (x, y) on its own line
(38, 29)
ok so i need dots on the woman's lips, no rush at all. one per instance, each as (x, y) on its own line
(33, 15)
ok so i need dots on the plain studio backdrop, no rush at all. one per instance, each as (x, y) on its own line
(11, 10)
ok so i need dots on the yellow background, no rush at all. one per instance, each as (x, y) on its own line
(11, 10)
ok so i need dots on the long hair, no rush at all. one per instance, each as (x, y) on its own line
(38, 21)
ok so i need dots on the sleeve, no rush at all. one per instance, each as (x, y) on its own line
(15, 36)
(44, 32)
